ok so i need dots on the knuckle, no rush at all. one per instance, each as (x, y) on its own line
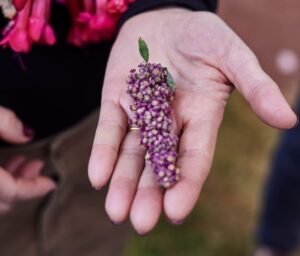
(109, 132)
(106, 148)
(133, 151)
(111, 124)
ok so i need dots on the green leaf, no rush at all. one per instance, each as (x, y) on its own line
(144, 50)
(170, 81)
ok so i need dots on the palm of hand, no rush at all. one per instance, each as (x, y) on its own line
(203, 55)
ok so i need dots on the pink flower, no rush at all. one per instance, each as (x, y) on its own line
(81, 15)
(19, 4)
(89, 6)
(48, 36)
(116, 6)
(74, 36)
(18, 38)
(40, 29)
(92, 22)
(38, 18)
(104, 22)
(31, 25)
(106, 25)
(100, 6)
(89, 34)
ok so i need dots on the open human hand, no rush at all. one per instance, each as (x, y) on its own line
(208, 61)
(20, 177)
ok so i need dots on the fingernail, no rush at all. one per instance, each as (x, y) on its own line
(177, 222)
(117, 223)
(28, 132)
(96, 187)
(142, 234)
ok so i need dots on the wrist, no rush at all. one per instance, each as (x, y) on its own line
(152, 18)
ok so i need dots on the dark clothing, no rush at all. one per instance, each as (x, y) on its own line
(52, 88)
(280, 221)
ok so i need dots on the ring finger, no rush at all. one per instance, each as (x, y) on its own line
(147, 204)
(125, 178)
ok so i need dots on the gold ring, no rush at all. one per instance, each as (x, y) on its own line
(134, 129)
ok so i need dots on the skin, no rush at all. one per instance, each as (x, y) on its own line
(20, 177)
(208, 61)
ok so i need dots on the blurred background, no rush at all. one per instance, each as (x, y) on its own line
(224, 221)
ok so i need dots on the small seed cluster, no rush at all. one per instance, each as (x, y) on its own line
(152, 98)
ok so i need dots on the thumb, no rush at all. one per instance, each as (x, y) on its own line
(243, 70)
(12, 129)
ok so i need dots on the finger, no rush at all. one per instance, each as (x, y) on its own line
(110, 132)
(21, 167)
(31, 169)
(4, 208)
(125, 178)
(7, 187)
(27, 189)
(197, 145)
(14, 163)
(12, 129)
(12, 190)
(262, 93)
(147, 205)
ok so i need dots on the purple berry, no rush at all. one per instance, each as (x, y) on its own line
(152, 94)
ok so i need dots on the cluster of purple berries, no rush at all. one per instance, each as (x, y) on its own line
(148, 86)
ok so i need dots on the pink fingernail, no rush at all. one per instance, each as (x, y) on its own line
(177, 222)
(96, 187)
(117, 223)
(28, 132)
(142, 234)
